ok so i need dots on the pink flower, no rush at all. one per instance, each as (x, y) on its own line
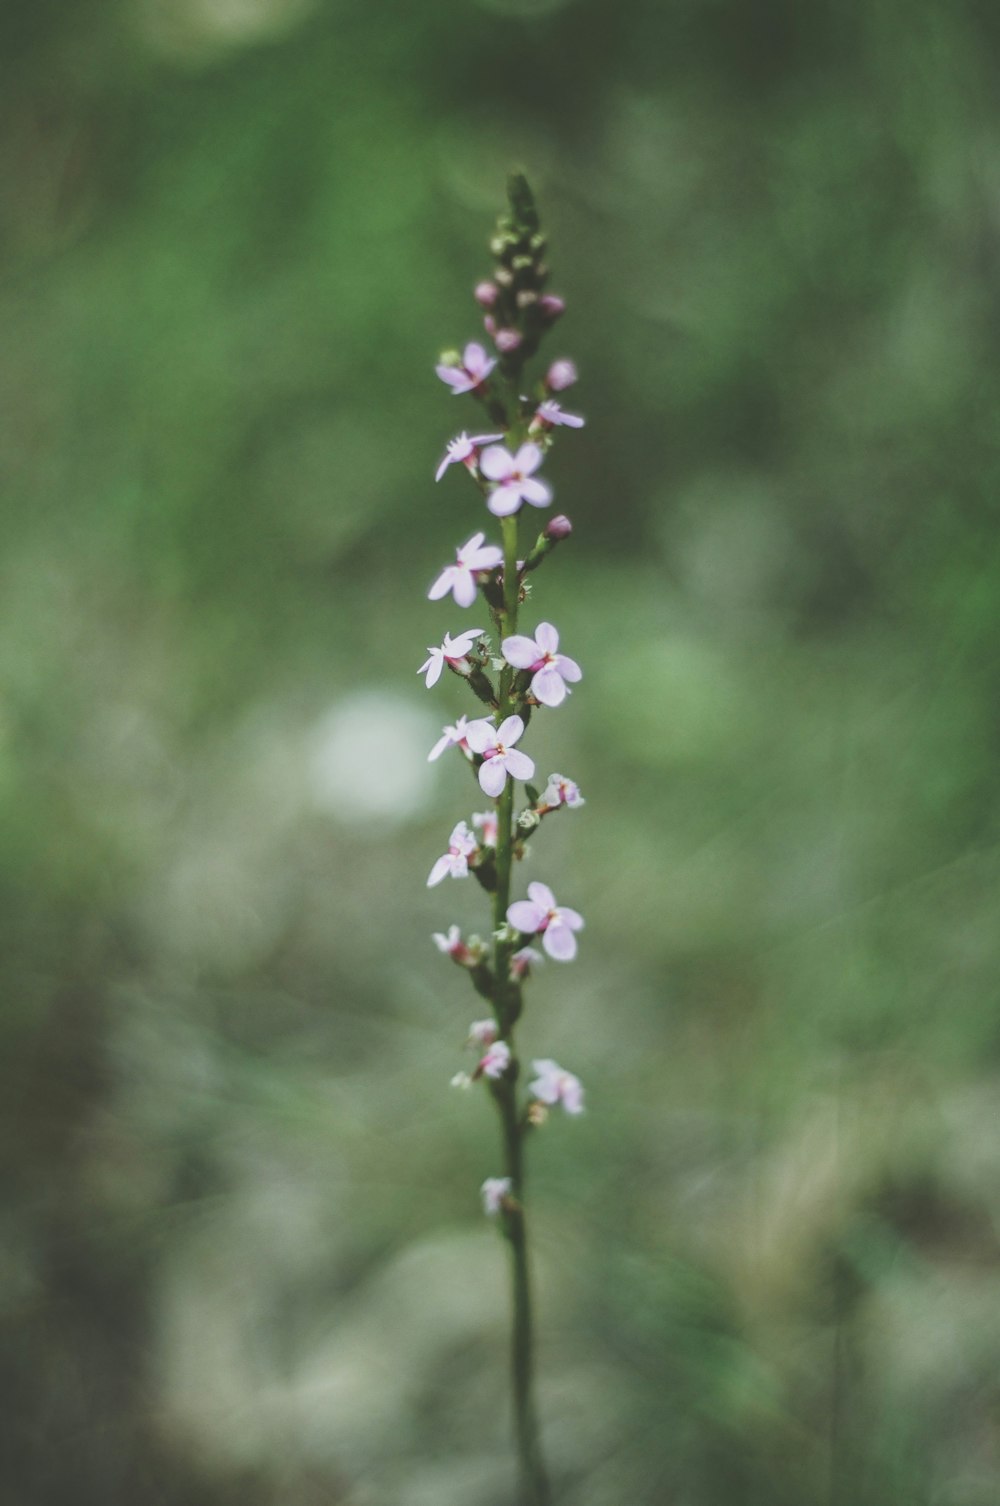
(515, 475)
(468, 374)
(560, 791)
(555, 1085)
(550, 670)
(454, 947)
(495, 1061)
(483, 1032)
(486, 821)
(461, 845)
(464, 450)
(494, 1192)
(560, 375)
(551, 307)
(500, 757)
(523, 961)
(452, 652)
(556, 923)
(451, 737)
(550, 414)
(460, 578)
(507, 340)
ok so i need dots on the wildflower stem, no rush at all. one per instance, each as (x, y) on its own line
(534, 1488)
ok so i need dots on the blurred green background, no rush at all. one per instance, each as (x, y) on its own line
(243, 1258)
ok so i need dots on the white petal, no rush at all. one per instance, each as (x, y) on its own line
(510, 730)
(480, 735)
(542, 895)
(492, 777)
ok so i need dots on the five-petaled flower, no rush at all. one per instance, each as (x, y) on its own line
(494, 1191)
(550, 669)
(495, 1061)
(560, 791)
(500, 757)
(540, 913)
(469, 373)
(460, 578)
(451, 737)
(555, 1085)
(550, 416)
(461, 845)
(465, 450)
(515, 478)
(452, 652)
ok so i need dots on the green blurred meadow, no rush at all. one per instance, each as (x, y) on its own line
(243, 1258)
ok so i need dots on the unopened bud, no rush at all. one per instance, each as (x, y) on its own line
(526, 298)
(504, 276)
(507, 340)
(551, 307)
(450, 358)
(486, 294)
(560, 375)
(537, 1113)
(558, 527)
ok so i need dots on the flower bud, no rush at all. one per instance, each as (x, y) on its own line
(526, 298)
(551, 307)
(486, 294)
(504, 276)
(560, 375)
(507, 340)
(558, 527)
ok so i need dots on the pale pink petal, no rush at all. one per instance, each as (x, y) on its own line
(538, 493)
(475, 359)
(571, 918)
(547, 638)
(504, 500)
(480, 735)
(525, 917)
(483, 559)
(458, 865)
(439, 747)
(492, 777)
(520, 651)
(568, 668)
(560, 943)
(496, 464)
(519, 765)
(471, 546)
(572, 1094)
(440, 870)
(542, 895)
(528, 459)
(446, 462)
(510, 730)
(454, 376)
(464, 588)
(460, 646)
(442, 585)
(548, 687)
(433, 668)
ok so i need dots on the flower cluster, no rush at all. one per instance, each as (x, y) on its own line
(514, 673)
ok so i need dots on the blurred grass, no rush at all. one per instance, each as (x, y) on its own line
(243, 1255)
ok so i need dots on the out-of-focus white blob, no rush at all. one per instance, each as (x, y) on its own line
(368, 759)
(192, 28)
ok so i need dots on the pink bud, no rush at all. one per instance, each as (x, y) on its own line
(486, 294)
(507, 340)
(551, 307)
(558, 527)
(560, 375)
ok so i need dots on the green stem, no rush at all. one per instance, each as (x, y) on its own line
(533, 1486)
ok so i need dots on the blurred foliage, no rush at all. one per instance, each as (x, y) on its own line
(243, 1258)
